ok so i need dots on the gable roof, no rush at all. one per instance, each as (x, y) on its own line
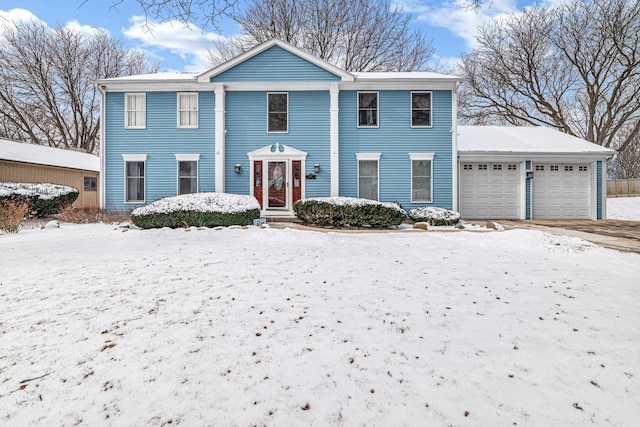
(207, 75)
(25, 152)
(524, 139)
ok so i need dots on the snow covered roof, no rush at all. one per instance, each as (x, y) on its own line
(154, 77)
(403, 76)
(42, 155)
(523, 139)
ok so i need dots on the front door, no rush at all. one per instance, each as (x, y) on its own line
(277, 191)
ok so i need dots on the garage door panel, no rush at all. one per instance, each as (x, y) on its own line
(561, 191)
(490, 190)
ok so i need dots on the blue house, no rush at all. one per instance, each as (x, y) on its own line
(281, 125)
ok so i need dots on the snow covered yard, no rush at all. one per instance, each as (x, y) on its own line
(627, 208)
(289, 327)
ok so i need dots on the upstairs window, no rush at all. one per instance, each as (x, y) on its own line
(187, 110)
(278, 111)
(368, 109)
(135, 110)
(420, 109)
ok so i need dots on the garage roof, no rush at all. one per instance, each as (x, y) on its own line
(524, 139)
(39, 154)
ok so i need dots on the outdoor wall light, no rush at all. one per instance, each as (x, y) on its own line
(316, 168)
(529, 174)
(238, 168)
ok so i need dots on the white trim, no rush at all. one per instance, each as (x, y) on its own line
(277, 93)
(208, 75)
(416, 157)
(523, 188)
(368, 157)
(131, 158)
(126, 111)
(603, 187)
(594, 189)
(454, 150)
(134, 157)
(197, 110)
(219, 141)
(187, 157)
(103, 158)
(377, 125)
(334, 138)
(430, 110)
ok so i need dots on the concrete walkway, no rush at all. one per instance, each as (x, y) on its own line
(610, 233)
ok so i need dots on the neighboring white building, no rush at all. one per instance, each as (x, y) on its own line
(530, 173)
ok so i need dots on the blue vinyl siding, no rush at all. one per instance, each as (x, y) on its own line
(395, 139)
(528, 192)
(599, 189)
(160, 141)
(275, 65)
(246, 124)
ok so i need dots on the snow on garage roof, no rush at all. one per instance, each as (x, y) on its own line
(42, 155)
(523, 139)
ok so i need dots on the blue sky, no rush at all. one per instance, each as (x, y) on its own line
(175, 48)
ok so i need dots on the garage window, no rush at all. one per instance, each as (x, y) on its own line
(467, 167)
(90, 183)
(554, 168)
(568, 168)
(512, 167)
(582, 168)
(497, 167)
(539, 167)
(482, 167)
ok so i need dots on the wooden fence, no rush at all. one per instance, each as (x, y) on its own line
(623, 187)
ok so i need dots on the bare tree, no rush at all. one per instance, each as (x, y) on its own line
(627, 162)
(355, 35)
(203, 13)
(46, 90)
(574, 67)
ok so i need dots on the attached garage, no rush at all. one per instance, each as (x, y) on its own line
(529, 173)
(561, 191)
(490, 190)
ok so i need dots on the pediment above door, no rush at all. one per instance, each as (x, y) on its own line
(277, 151)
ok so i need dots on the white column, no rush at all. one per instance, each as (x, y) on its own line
(334, 140)
(219, 137)
(454, 149)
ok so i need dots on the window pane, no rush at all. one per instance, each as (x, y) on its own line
(420, 118)
(368, 179)
(421, 181)
(134, 181)
(367, 109)
(277, 122)
(277, 102)
(421, 100)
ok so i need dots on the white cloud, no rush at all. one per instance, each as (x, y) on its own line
(8, 17)
(189, 43)
(458, 18)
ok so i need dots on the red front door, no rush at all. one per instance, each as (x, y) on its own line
(257, 181)
(297, 181)
(277, 177)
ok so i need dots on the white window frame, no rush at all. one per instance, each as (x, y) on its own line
(430, 109)
(129, 158)
(377, 110)
(128, 125)
(268, 112)
(190, 111)
(368, 157)
(422, 157)
(187, 158)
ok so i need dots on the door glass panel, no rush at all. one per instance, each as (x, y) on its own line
(277, 184)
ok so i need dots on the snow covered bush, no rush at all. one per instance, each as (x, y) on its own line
(43, 199)
(198, 209)
(434, 216)
(348, 211)
(11, 215)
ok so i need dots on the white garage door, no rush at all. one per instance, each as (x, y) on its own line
(561, 191)
(490, 190)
